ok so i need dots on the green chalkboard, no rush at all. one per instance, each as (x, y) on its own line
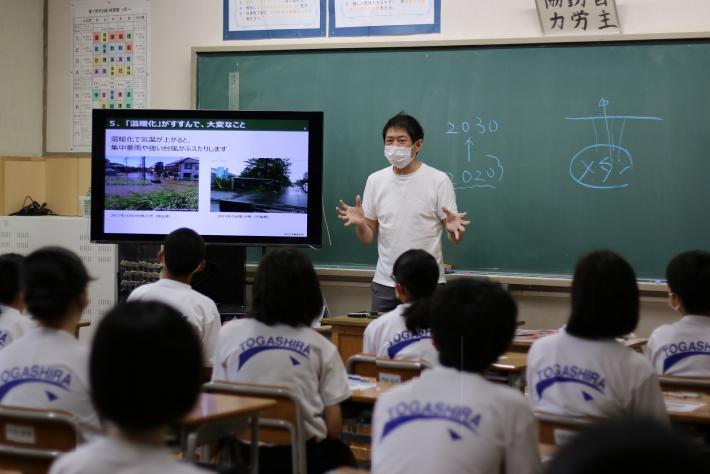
(554, 149)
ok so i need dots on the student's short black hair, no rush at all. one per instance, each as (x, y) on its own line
(472, 323)
(407, 123)
(417, 271)
(53, 279)
(688, 276)
(145, 366)
(605, 297)
(286, 289)
(622, 445)
(184, 250)
(10, 264)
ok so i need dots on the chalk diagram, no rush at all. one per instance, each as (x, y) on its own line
(480, 172)
(606, 164)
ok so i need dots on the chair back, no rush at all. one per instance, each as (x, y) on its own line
(679, 384)
(385, 370)
(362, 364)
(282, 424)
(397, 371)
(31, 439)
(557, 430)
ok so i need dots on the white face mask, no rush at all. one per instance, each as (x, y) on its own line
(399, 156)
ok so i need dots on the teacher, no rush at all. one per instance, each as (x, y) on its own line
(406, 205)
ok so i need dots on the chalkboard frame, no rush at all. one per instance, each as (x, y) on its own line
(332, 44)
(651, 284)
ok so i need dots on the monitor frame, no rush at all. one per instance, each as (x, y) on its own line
(313, 236)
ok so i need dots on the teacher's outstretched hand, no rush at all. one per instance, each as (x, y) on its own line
(455, 224)
(351, 214)
(365, 228)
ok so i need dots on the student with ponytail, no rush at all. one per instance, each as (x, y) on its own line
(404, 332)
(48, 368)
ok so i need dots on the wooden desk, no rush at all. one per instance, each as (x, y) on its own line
(510, 369)
(217, 415)
(347, 334)
(325, 330)
(699, 416)
(370, 395)
(511, 363)
(523, 343)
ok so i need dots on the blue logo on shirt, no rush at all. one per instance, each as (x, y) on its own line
(676, 352)
(17, 376)
(405, 338)
(3, 337)
(407, 412)
(254, 345)
(557, 373)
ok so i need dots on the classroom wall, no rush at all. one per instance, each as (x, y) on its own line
(179, 25)
(21, 77)
(56, 180)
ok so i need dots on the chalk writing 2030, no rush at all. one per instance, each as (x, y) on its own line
(480, 170)
(478, 126)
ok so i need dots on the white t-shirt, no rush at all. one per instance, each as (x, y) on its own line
(453, 422)
(300, 358)
(388, 336)
(408, 212)
(571, 376)
(198, 309)
(682, 348)
(106, 455)
(48, 368)
(13, 324)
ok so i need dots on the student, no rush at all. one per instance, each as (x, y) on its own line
(624, 445)
(276, 346)
(451, 419)
(149, 345)
(13, 323)
(583, 370)
(47, 367)
(183, 255)
(406, 205)
(404, 332)
(683, 348)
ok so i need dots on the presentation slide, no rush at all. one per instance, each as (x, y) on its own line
(234, 178)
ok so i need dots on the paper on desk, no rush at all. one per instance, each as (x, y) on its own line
(682, 406)
(360, 384)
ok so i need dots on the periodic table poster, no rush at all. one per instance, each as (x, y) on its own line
(110, 61)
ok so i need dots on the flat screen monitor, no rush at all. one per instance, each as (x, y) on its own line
(235, 177)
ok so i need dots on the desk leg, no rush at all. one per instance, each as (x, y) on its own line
(190, 445)
(254, 448)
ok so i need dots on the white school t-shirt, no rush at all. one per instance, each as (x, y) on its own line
(408, 212)
(571, 376)
(682, 348)
(453, 422)
(388, 337)
(48, 368)
(106, 455)
(301, 359)
(198, 309)
(13, 324)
